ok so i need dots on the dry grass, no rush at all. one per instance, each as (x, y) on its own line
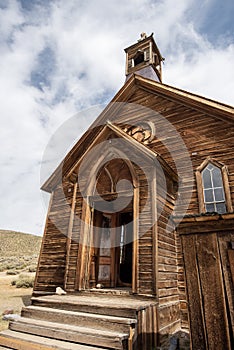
(11, 297)
(18, 253)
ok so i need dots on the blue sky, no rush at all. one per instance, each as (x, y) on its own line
(61, 57)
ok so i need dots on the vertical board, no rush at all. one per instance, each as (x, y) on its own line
(210, 273)
(196, 317)
(231, 262)
(147, 329)
(227, 260)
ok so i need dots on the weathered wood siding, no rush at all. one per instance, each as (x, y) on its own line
(203, 134)
(52, 260)
(167, 276)
(145, 244)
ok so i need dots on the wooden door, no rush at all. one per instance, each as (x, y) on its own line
(103, 255)
(111, 262)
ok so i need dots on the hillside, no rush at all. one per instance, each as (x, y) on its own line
(18, 250)
(17, 244)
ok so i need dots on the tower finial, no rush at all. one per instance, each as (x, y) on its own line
(143, 36)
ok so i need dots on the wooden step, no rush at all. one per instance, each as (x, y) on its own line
(76, 334)
(76, 318)
(106, 305)
(22, 341)
(105, 291)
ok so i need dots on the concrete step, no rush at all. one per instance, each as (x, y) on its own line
(119, 306)
(76, 318)
(22, 341)
(76, 334)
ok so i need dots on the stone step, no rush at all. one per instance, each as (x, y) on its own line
(76, 334)
(22, 341)
(76, 318)
(105, 305)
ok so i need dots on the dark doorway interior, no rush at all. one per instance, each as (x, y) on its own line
(124, 251)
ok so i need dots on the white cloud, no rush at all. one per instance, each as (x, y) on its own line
(86, 42)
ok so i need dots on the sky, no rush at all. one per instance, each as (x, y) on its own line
(60, 59)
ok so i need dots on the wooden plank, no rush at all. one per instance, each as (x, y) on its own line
(69, 234)
(227, 263)
(231, 262)
(135, 286)
(215, 313)
(154, 232)
(196, 317)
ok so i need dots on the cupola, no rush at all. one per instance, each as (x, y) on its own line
(144, 58)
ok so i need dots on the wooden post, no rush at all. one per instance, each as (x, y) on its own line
(135, 242)
(69, 233)
(154, 231)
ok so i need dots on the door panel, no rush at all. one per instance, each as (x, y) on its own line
(104, 258)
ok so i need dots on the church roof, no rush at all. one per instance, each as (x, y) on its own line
(218, 110)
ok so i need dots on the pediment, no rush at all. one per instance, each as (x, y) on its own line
(112, 141)
(116, 111)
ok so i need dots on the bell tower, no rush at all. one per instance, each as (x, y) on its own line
(144, 58)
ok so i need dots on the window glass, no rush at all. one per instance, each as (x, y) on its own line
(217, 177)
(219, 195)
(221, 208)
(210, 208)
(207, 178)
(209, 196)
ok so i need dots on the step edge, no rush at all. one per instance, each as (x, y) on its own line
(115, 319)
(37, 341)
(73, 329)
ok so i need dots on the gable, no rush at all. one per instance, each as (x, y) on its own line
(111, 142)
(141, 99)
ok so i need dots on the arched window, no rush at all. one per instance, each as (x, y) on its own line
(214, 196)
(213, 189)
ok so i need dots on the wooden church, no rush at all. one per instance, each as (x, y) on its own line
(140, 226)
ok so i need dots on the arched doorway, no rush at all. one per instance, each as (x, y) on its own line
(110, 258)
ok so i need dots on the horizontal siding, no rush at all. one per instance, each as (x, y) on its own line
(145, 243)
(201, 133)
(51, 265)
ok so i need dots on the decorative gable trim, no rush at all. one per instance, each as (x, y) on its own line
(122, 134)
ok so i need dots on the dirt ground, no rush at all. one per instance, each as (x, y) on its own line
(12, 297)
